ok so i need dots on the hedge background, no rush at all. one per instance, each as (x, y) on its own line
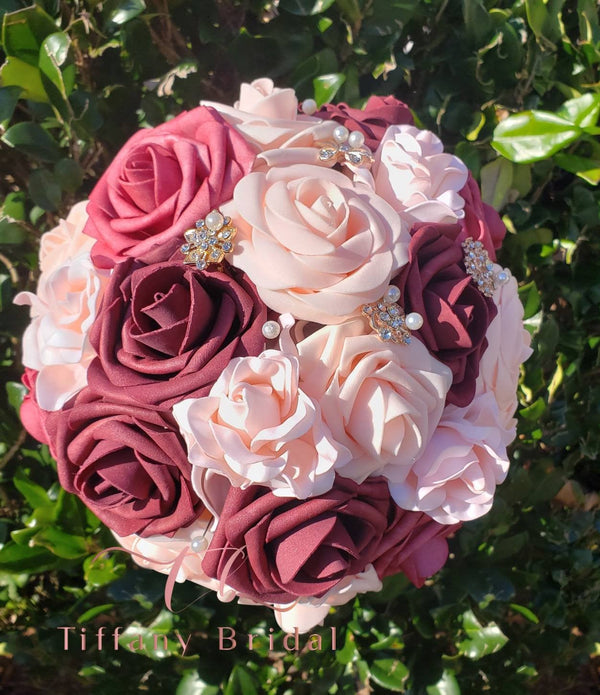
(517, 608)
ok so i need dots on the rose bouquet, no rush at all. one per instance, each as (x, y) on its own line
(274, 353)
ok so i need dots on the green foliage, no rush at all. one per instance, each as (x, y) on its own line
(517, 609)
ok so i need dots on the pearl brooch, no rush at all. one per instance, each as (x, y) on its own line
(479, 266)
(347, 148)
(309, 106)
(209, 241)
(388, 320)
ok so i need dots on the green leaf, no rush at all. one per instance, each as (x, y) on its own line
(127, 10)
(69, 174)
(9, 96)
(192, 684)
(35, 494)
(94, 611)
(480, 640)
(241, 682)
(61, 543)
(14, 205)
(530, 298)
(17, 73)
(447, 685)
(304, 8)
(586, 169)
(24, 31)
(18, 559)
(544, 18)
(389, 673)
(533, 135)
(33, 140)
(44, 189)
(496, 182)
(583, 111)
(326, 86)
(58, 73)
(478, 22)
(11, 232)
(525, 612)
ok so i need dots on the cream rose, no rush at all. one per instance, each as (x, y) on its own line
(63, 309)
(508, 347)
(258, 427)
(381, 400)
(456, 476)
(315, 244)
(417, 178)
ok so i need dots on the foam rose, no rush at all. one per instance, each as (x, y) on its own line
(63, 309)
(315, 244)
(508, 349)
(265, 115)
(126, 463)
(166, 331)
(456, 314)
(381, 400)
(161, 182)
(417, 178)
(32, 416)
(481, 222)
(306, 548)
(258, 427)
(456, 477)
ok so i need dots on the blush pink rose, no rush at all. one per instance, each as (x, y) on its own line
(161, 182)
(315, 244)
(65, 241)
(417, 178)
(63, 309)
(508, 348)
(265, 115)
(381, 400)
(258, 427)
(456, 477)
(377, 116)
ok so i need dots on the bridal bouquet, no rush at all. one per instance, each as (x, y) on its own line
(274, 353)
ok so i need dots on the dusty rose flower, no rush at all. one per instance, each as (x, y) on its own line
(456, 315)
(126, 463)
(166, 331)
(161, 182)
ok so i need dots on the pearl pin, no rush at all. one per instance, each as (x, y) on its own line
(340, 134)
(502, 277)
(309, 106)
(414, 321)
(271, 330)
(356, 139)
(214, 221)
(199, 544)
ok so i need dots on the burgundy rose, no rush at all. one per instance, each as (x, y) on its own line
(298, 548)
(161, 182)
(481, 221)
(32, 416)
(166, 331)
(455, 313)
(377, 116)
(128, 464)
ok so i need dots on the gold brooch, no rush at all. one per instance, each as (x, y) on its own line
(481, 269)
(347, 148)
(209, 241)
(388, 320)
